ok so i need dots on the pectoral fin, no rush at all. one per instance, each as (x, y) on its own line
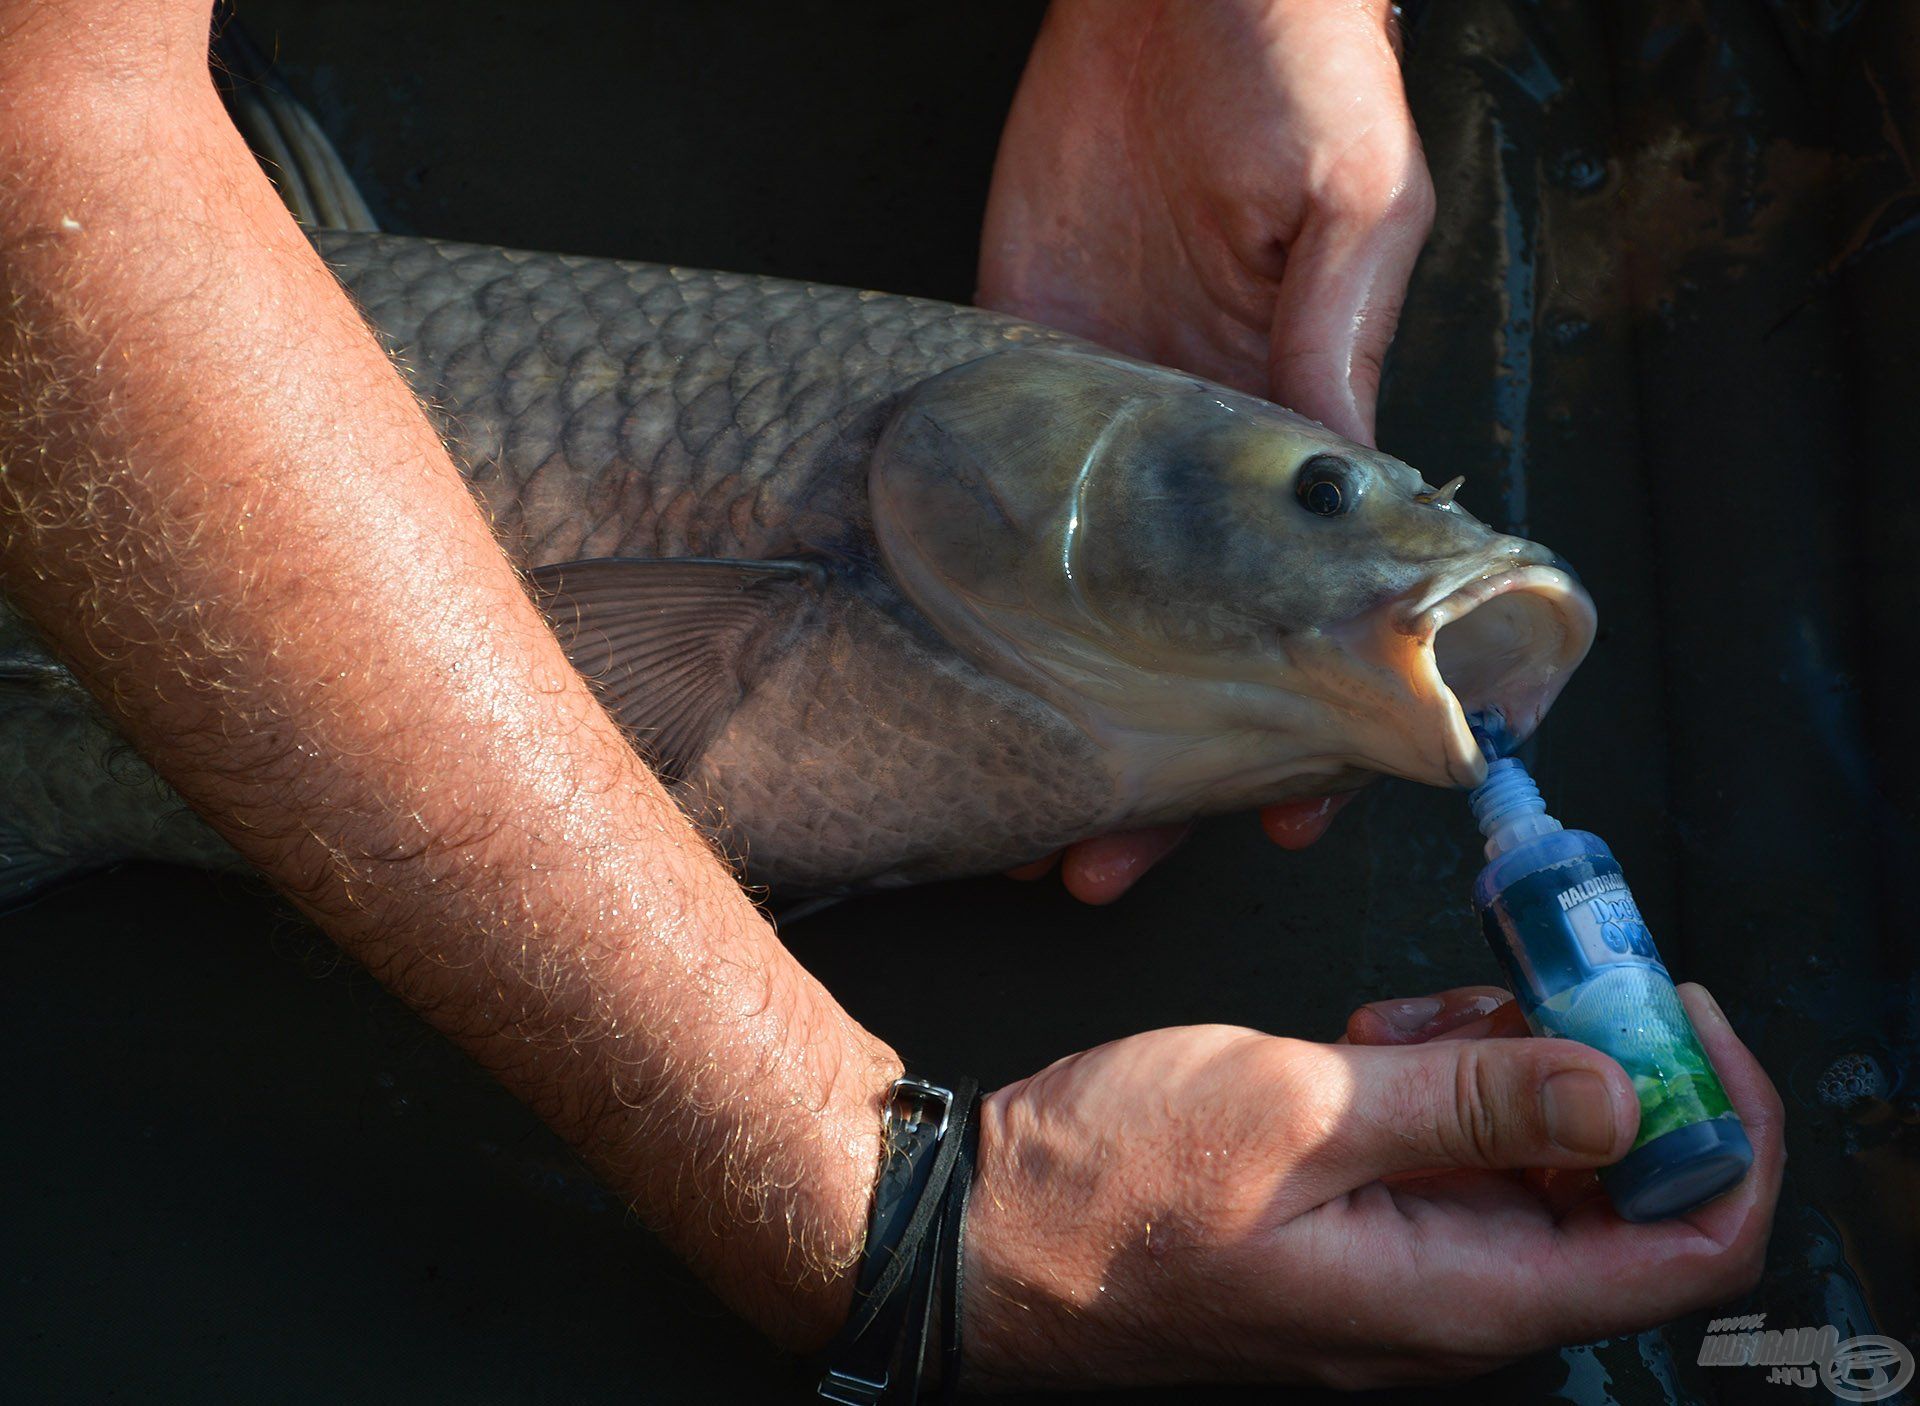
(673, 646)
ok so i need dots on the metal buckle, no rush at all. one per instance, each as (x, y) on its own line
(850, 1390)
(914, 1094)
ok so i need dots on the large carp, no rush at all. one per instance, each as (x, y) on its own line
(891, 590)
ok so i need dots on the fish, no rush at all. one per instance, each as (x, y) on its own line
(889, 590)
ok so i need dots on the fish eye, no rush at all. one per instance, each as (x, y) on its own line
(1327, 486)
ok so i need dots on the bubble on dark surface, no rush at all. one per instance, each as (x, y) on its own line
(1569, 329)
(1852, 1079)
(1580, 170)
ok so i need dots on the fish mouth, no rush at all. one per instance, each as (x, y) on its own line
(1503, 641)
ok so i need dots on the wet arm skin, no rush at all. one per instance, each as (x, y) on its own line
(225, 507)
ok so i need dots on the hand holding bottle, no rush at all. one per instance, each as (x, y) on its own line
(1214, 1203)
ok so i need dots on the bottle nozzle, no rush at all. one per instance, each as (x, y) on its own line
(1489, 728)
(1508, 807)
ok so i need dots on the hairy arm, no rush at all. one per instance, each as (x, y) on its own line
(220, 501)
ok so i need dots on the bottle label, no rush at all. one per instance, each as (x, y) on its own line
(1632, 1012)
(1584, 967)
(1605, 921)
(1555, 928)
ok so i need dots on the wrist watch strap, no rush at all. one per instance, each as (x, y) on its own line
(861, 1357)
(953, 1247)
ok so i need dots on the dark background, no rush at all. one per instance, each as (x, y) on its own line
(1665, 325)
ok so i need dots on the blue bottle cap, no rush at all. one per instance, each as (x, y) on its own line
(1679, 1170)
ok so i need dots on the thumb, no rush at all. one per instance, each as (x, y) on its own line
(1494, 1103)
(1339, 303)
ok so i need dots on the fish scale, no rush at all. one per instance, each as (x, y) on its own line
(731, 390)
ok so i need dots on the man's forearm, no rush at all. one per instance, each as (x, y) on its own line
(220, 501)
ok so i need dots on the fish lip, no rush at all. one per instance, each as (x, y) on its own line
(1522, 694)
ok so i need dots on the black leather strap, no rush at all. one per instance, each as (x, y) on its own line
(953, 1248)
(920, 1310)
(894, 1289)
(936, 1280)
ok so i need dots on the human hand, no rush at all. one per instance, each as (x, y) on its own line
(1211, 1202)
(1234, 188)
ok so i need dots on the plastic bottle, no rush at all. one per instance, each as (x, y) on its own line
(1559, 915)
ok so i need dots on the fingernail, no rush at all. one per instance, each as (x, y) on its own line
(1578, 1108)
(1465, 1018)
(1408, 1017)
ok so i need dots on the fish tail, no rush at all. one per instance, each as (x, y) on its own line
(33, 857)
(286, 138)
(27, 873)
(74, 797)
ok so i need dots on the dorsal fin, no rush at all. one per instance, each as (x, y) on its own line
(283, 133)
(672, 645)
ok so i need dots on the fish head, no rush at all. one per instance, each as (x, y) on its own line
(1238, 603)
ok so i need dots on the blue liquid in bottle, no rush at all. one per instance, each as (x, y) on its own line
(1558, 913)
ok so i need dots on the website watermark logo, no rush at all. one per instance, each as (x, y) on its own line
(1865, 1368)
